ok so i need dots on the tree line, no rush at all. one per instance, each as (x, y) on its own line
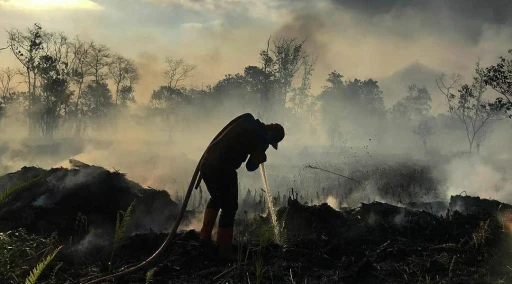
(71, 85)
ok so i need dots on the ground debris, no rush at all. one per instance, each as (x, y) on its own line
(466, 240)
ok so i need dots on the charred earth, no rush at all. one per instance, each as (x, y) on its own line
(106, 222)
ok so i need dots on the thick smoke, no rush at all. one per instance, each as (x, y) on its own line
(359, 42)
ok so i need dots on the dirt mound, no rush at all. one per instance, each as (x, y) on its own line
(81, 200)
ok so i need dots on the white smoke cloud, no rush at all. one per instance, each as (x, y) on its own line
(478, 176)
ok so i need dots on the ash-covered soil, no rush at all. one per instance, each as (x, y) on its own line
(470, 242)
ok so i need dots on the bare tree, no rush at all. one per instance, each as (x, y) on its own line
(59, 48)
(7, 87)
(98, 61)
(469, 106)
(122, 70)
(446, 84)
(27, 48)
(176, 70)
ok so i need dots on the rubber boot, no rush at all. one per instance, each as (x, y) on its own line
(225, 244)
(210, 216)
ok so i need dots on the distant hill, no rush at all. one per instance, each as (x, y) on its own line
(394, 85)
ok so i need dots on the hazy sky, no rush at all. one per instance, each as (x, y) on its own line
(374, 39)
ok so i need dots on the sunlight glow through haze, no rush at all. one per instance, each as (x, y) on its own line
(50, 4)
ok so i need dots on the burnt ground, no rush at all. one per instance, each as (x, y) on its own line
(373, 243)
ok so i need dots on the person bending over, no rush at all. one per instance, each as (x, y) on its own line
(244, 139)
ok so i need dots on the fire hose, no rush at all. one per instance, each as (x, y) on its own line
(170, 236)
(196, 179)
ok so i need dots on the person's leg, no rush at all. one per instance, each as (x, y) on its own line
(210, 216)
(212, 208)
(229, 207)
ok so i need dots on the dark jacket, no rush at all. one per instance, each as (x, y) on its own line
(245, 137)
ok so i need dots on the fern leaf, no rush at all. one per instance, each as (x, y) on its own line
(36, 272)
(10, 190)
(123, 227)
(149, 275)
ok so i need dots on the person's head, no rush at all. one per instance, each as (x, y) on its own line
(275, 133)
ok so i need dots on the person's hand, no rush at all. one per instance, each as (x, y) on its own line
(251, 166)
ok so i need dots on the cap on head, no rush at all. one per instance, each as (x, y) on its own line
(276, 133)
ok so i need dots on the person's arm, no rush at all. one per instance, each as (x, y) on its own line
(258, 155)
(254, 161)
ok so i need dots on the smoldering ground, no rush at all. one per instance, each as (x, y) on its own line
(162, 152)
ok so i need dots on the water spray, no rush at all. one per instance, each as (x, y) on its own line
(270, 203)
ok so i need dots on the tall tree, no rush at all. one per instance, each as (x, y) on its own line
(499, 78)
(258, 80)
(80, 69)
(414, 106)
(124, 73)
(166, 100)
(357, 101)
(57, 51)
(98, 61)
(330, 99)
(469, 106)
(301, 100)
(27, 47)
(55, 94)
(283, 60)
(126, 95)
(97, 100)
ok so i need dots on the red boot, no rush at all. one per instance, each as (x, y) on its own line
(225, 243)
(210, 216)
